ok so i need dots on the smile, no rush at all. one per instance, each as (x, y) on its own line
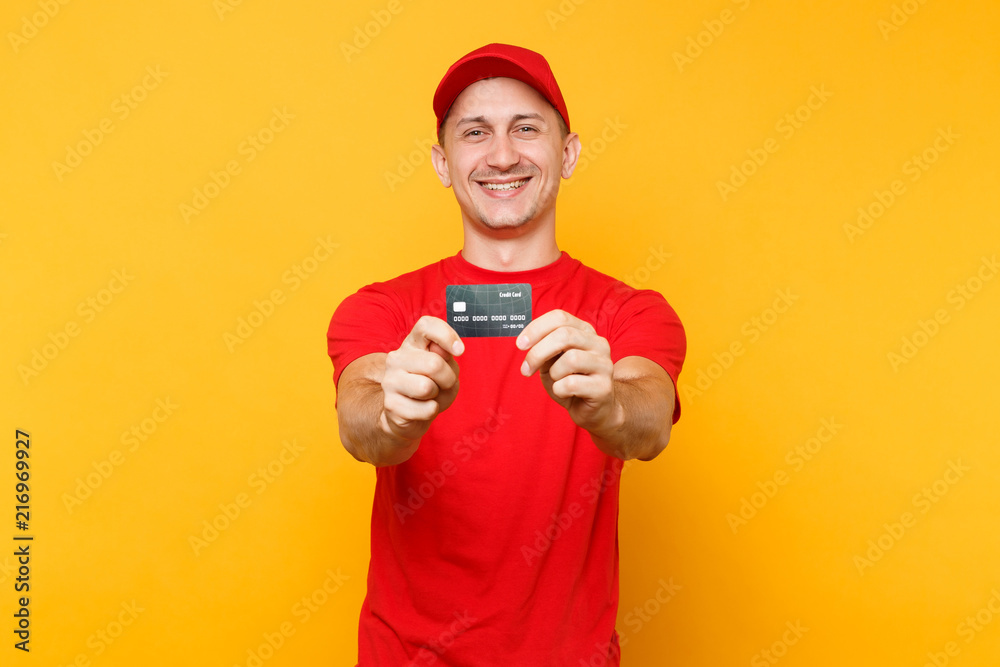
(513, 185)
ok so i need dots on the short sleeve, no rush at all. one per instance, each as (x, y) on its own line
(370, 320)
(645, 325)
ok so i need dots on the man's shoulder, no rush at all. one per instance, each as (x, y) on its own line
(611, 287)
(597, 275)
(388, 307)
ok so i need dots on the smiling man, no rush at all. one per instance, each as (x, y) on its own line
(494, 523)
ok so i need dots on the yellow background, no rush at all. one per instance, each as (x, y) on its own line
(349, 166)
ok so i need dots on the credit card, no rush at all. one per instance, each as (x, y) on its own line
(477, 311)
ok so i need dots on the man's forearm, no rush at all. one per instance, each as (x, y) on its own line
(639, 427)
(363, 430)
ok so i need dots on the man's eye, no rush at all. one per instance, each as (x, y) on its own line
(474, 133)
(526, 129)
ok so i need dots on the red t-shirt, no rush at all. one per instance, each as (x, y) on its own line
(496, 543)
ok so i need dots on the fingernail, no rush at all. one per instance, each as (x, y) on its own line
(522, 342)
(458, 347)
(525, 369)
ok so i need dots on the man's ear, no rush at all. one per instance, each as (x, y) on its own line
(440, 162)
(571, 153)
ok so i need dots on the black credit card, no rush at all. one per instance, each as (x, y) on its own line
(488, 310)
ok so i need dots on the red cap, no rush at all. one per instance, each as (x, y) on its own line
(498, 60)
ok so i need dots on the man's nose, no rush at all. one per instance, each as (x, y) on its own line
(502, 154)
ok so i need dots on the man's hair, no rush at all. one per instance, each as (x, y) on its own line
(563, 130)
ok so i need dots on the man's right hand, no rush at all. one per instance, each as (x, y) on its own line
(421, 378)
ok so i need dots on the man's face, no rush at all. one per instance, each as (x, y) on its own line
(504, 154)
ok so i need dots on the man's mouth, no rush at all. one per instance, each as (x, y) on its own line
(513, 185)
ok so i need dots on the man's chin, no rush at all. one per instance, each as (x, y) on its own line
(503, 222)
(503, 219)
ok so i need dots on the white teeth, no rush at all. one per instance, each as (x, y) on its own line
(505, 186)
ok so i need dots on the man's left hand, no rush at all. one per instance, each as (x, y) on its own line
(575, 366)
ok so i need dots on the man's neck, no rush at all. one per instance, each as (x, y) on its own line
(519, 250)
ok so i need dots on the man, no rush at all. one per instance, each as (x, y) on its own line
(494, 524)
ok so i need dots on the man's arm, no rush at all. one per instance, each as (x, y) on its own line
(386, 402)
(359, 414)
(627, 406)
(644, 396)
